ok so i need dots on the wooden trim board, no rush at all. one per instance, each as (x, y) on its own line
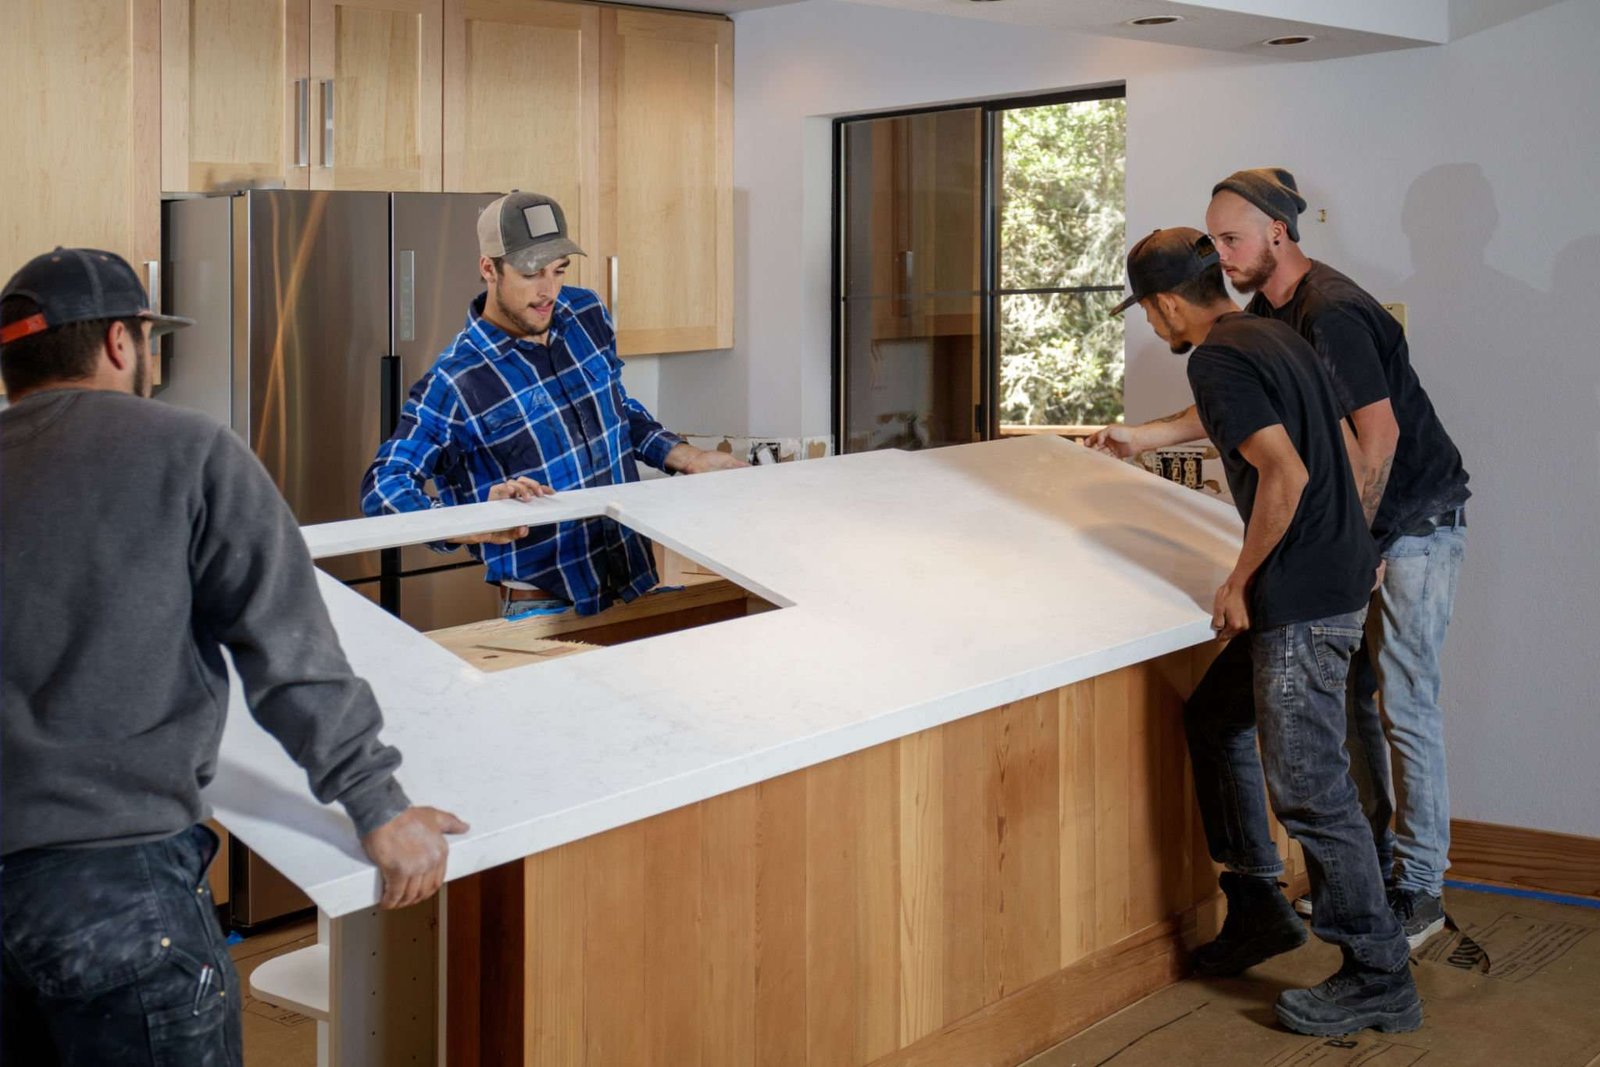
(1051, 1010)
(1532, 859)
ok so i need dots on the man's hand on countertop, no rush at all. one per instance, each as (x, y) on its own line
(687, 459)
(410, 850)
(524, 489)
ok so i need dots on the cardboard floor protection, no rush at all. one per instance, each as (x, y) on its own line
(1518, 986)
(274, 1036)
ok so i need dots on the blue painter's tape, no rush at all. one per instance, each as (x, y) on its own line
(1526, 894)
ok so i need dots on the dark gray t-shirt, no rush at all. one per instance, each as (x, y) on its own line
(1252, 373)
(138, 540)
(1364, 350)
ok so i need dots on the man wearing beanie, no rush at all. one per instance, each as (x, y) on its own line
(1295, 601)
(1413, 492)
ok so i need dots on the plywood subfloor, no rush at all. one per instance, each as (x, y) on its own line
(273, 1036)
(1517, 985)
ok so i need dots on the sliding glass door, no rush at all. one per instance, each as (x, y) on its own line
(979, 254)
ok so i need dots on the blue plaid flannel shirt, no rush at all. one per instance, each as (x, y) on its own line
(494, 408)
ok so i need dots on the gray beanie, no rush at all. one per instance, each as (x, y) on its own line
(1271, 189)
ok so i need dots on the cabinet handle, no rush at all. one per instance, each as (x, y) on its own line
(302, 122)
(152, 279)
(327, 122)
(612, 262)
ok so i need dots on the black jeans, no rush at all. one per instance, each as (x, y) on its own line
(1288, 684)
(114, 956)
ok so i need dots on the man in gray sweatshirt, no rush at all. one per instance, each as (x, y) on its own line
(137, 541)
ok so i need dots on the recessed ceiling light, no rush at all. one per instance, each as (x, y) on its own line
(1293, 38)
(1155, 20)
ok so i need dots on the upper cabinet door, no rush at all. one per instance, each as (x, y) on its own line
(666, 151)
(376, 81)
(83, 168)
(522, 109)
(83, 149)
(235, 95)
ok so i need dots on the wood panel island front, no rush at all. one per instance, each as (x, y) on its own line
(932, 807)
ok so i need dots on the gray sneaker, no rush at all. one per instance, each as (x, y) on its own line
(1421, 914)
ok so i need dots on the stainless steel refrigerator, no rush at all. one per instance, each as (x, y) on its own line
(315, 312)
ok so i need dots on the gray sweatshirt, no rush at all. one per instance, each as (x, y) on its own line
(138, 540)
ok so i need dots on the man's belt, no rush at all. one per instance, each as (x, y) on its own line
(1452, 519)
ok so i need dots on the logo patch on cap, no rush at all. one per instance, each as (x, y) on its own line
(541, 220)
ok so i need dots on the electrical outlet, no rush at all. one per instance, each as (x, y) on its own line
(1399, 312)
(762, 452)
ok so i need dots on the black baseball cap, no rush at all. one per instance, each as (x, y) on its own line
(80, 285)
(528, 229)
(1164, 260)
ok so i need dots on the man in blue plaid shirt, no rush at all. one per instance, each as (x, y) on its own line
(529, 400)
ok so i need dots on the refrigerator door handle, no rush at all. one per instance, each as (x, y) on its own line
(389, 395)
(302, 122)
(391, 383)
(327, 122)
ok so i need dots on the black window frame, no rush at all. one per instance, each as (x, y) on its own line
(990, 292)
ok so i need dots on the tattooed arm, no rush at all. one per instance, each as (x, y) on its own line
(1378, 434)
(1125, 441)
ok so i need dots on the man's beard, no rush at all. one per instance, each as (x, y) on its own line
(1179, 348)
(1253, 277)
(520, 319)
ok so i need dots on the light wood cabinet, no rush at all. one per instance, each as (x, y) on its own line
(235, 94)
(510, 123)
(666, 172)
(298, 94)
(377, 69)
(82, 81)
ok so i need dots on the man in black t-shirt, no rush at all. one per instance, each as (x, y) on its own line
(1414, 489)
(1296, 600)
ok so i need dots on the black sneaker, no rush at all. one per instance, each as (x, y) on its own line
(1259, 925)
(1353, 998)
(1421, 914)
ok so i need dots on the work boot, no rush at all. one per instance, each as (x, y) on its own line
(1260, 924)
(1421, 915)
(1354, 998)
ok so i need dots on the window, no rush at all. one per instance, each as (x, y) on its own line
(980, 251)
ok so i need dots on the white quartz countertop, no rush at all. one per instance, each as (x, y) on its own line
(915, 588)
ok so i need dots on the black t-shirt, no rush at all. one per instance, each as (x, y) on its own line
(1252, 373)
(1364, 350)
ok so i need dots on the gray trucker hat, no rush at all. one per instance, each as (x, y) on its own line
(528, 229)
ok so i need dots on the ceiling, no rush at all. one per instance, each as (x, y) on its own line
(1337, 27)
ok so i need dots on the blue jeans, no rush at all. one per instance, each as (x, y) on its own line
(1397, 758)
(1289, 682)
(114, 956)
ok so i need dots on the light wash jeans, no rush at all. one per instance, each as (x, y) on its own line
(512, 610)
(1398, 760)
(1289, 682)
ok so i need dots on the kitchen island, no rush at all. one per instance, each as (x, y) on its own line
(933, 808)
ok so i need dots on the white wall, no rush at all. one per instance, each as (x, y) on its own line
(1460, 179)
